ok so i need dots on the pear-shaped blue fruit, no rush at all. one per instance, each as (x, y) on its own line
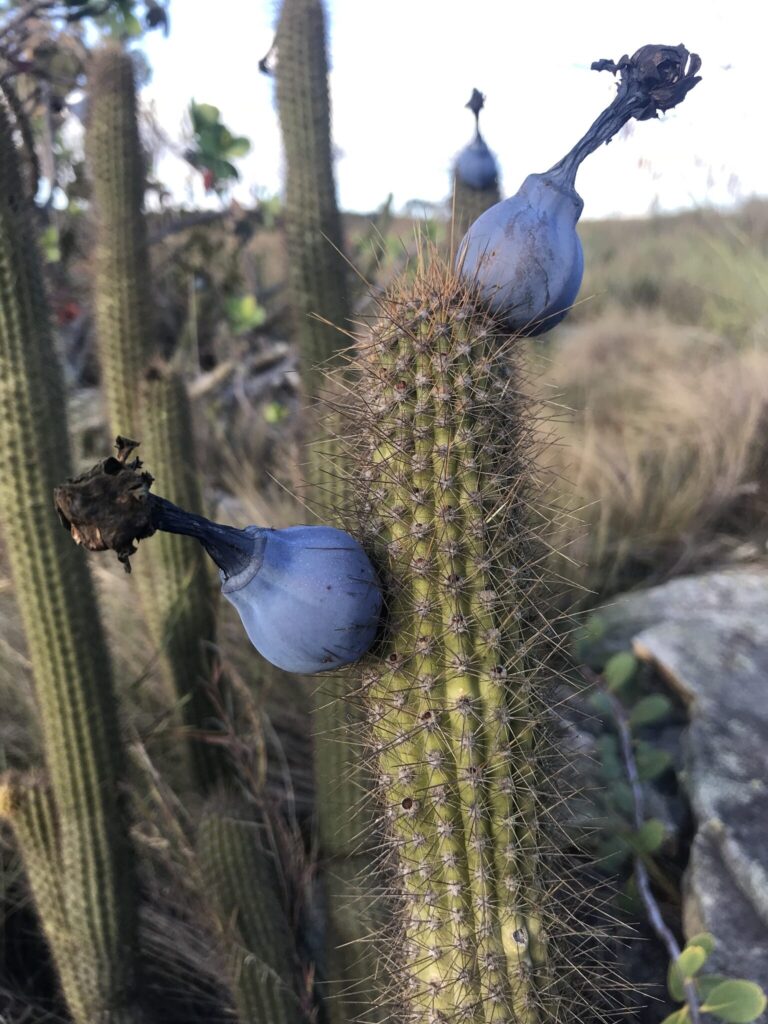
(475, 165)
(308, 596)
(524, 254)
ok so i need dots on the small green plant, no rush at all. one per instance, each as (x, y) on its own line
(731, 1000)
(626, 763)
(214, 147)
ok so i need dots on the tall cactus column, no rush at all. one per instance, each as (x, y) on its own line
(317, 270)
(443, 453)
(146, 398)
(90, 914)
(320, 304)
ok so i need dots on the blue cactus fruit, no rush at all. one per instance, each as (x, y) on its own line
(476, 166)
(308, 596)
(524, 254)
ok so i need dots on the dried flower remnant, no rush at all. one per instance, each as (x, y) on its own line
(524, 254)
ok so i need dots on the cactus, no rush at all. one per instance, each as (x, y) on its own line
(93, 866)
(475, 177)
(241, 876)
(317, 271)
(442, 450)
(318, 288)
(122, 294)
(178, 592)
(145, 398)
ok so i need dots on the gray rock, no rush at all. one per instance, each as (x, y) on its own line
(708, 637)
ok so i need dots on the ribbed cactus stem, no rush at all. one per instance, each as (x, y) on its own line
(122, 304)
(317, 270)
(146, 398)
(442, 450)
(468, 204)
(320, 305)
(73, 678)
(245, 892)
(177, 589)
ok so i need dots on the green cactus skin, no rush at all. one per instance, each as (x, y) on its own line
(468, 204)
(242, 880)
(178, 589)
(317, 270)
(73, 678)
(442, 450)
(145, 399)
(122, 311)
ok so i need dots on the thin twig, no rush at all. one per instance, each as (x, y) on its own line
(638, 813)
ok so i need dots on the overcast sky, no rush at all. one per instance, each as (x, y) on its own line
(402, 71)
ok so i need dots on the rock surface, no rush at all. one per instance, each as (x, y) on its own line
(708, 637)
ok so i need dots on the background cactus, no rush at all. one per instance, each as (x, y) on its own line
(147, 401)
(317, 271)
(475, 177)
(443, 450)
(80, 854)
(242, 877)
(318, 288)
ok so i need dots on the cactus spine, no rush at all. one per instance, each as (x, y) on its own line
(242, 879)
(317, 271)
(443, 453)
(146, 401)
(93, 866)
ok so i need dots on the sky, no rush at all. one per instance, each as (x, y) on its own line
(402, 70)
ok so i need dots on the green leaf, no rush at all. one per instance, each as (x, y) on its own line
(274, 412)
(649, 837)
(239, 146)
(620, 670)
(611, 767)
(49, 243)
(601, 704)
(691, 960)
(678, 1017)
(706, 982)
(683, 969)
(735, 1002)
(649, 710)
(245, 313)
(651, 762)
(706, 940)
(204, 114)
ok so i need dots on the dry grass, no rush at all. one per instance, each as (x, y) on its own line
(659, 450)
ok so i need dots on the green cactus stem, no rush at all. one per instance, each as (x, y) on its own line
(72, 672)
(321, 308)
(147, 398)
(179, 593)
(244, 886)
(317, 270)
(442, 450)
(122, 294)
